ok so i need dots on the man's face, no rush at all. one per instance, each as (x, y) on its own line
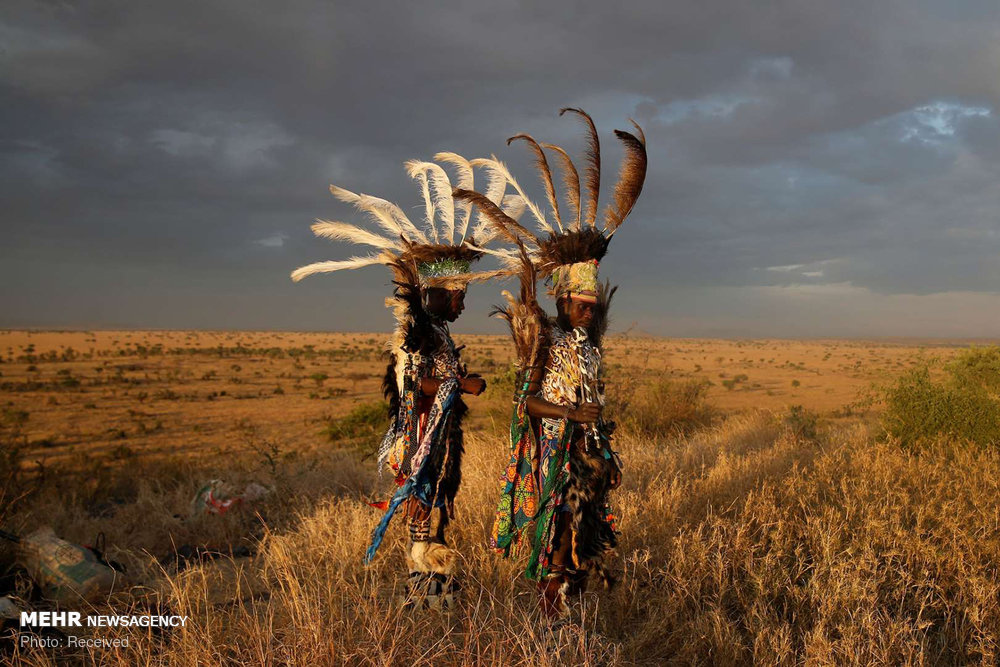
(456, 304)
(446, 304)
(580, 313)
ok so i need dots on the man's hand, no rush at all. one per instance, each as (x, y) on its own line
(587, 413)
(616, 476)
(474, 385)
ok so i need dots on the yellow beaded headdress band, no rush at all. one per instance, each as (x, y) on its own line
(578, 281)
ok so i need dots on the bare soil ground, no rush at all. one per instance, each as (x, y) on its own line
(121, 394)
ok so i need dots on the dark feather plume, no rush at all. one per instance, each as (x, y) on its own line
(571, 181)
(599, 326)
(570, 248)
(389, 389)
(642, 135)
(593, 164)
(543, 170)
(528, 323)
(631, 176)
(413, 324)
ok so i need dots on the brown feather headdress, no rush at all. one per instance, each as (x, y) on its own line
(566, 256)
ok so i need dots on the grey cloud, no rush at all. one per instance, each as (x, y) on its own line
(187, 146)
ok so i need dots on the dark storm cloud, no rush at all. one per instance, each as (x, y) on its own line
(160, 162)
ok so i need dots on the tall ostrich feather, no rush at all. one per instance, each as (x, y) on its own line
(571, 181)
(513, 205)
(326, 267)
(485, 232)
(631, 176)
(505, 225)
(466, 182)
(421, 178)
(544, 172)
(441, 187)
(593, 164)
(387, 215)
(642, 135)
(501, 168)
(341, 231)
(496, 184)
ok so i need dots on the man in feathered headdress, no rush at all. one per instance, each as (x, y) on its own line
(555, 495)
(425, 378)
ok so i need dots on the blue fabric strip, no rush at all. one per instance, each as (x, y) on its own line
(449, 389)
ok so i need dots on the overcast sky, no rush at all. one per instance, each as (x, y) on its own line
(816, 168)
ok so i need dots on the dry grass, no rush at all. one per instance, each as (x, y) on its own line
(742, 543)
(765, 537)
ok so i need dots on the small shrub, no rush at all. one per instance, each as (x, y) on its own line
(122, 452)
(918, 409)
(978, 366)
(367, 420)
(801, 422)
(666, 407)
(13, 443)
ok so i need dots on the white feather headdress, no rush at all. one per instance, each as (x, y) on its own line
(439, 255)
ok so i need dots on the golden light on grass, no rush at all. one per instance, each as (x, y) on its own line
(763, 536)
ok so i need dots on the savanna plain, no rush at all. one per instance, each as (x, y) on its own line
(784, 501)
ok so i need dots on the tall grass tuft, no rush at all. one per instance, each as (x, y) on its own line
(665, 408)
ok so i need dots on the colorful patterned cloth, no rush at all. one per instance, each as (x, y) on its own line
(536, 478)
(428, 429)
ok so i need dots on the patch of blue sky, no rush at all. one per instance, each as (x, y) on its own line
(937, 120)
(716, 106)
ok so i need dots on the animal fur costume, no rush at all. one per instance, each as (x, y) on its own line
(423, 443)
(557, 465)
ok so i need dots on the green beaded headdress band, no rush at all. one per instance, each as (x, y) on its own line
(443, 268)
